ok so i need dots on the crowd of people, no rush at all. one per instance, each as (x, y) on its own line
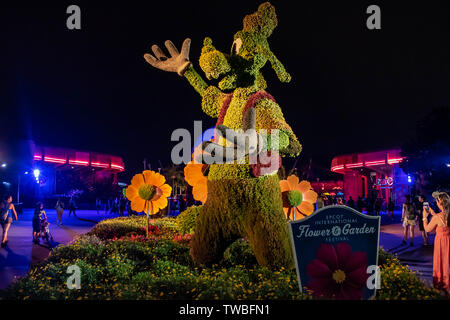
(415, 211)
(419, 212)
(369, 205)
(116, 205)
(8, 214)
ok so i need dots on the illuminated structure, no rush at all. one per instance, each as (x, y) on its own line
(373, 175)
(62, 169)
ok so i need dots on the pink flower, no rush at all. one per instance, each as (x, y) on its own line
(337, 272)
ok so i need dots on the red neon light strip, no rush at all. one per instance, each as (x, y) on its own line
(79, 162)
(55, 160)
(374, 163)
(367, 163)
(37, 157)
(354, 165)
(100, 165)
(395, 160)
(116, 166)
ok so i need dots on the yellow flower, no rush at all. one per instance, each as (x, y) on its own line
(298, 195)
(148, 192)
(193, 174)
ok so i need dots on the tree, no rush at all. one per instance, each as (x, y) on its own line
(428, 151)
(175, 177)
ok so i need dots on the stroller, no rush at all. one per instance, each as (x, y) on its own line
(44, 233)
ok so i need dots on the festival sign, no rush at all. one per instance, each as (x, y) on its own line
(336, 253)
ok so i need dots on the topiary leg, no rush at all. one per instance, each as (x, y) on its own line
(209, 241)
(264, 224)
(249, 208)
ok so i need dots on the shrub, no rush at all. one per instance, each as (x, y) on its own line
(160, 268)
(398, 282)
(385, 258)
(185, 222)
(134, 225)
(239, 253)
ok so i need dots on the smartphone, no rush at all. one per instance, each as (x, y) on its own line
(426, 206)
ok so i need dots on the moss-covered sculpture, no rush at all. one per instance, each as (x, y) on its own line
(244, 200)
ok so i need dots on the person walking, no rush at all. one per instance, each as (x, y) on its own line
(441, 256)
(369, 206)
(72, 207)
(409, 217)
(115, 206)
(390, 208)
(122, 205)
(351, 202)
(420, 206)
(359, 204)
(98, 205)
(38, 215)
(319, 203)
(7, 211)
(378, 204)
(59, 212)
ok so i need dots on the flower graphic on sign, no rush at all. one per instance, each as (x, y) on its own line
(298, 195)
(337, 272)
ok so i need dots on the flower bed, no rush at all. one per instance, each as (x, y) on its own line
(117, 262)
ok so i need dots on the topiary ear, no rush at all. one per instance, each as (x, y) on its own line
(263, 21)
(207, 42)
(267, 13)
(207, 45)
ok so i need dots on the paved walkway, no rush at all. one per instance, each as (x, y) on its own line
(21, 252)
(418, 257)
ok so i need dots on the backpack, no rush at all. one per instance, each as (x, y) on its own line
(410, 212)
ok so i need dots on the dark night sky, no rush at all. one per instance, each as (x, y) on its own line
(353, 89)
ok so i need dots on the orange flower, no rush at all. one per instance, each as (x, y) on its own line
(148, 192)
(193, 174)
(297, 195)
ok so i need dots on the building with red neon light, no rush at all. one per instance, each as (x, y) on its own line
(373, 175)
(65, 169)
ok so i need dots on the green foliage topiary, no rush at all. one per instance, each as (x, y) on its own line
(239, 253)
(240, 202)
(185, 221)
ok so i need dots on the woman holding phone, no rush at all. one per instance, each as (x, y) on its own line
(440, 222)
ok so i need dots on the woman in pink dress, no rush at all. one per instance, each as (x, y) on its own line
(440, 222)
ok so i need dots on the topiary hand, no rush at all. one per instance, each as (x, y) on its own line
(243, 143)
(178, 62)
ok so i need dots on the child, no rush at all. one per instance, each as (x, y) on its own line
(39, 214)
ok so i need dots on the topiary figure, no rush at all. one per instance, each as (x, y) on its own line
(185, 221)
(244, 197)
